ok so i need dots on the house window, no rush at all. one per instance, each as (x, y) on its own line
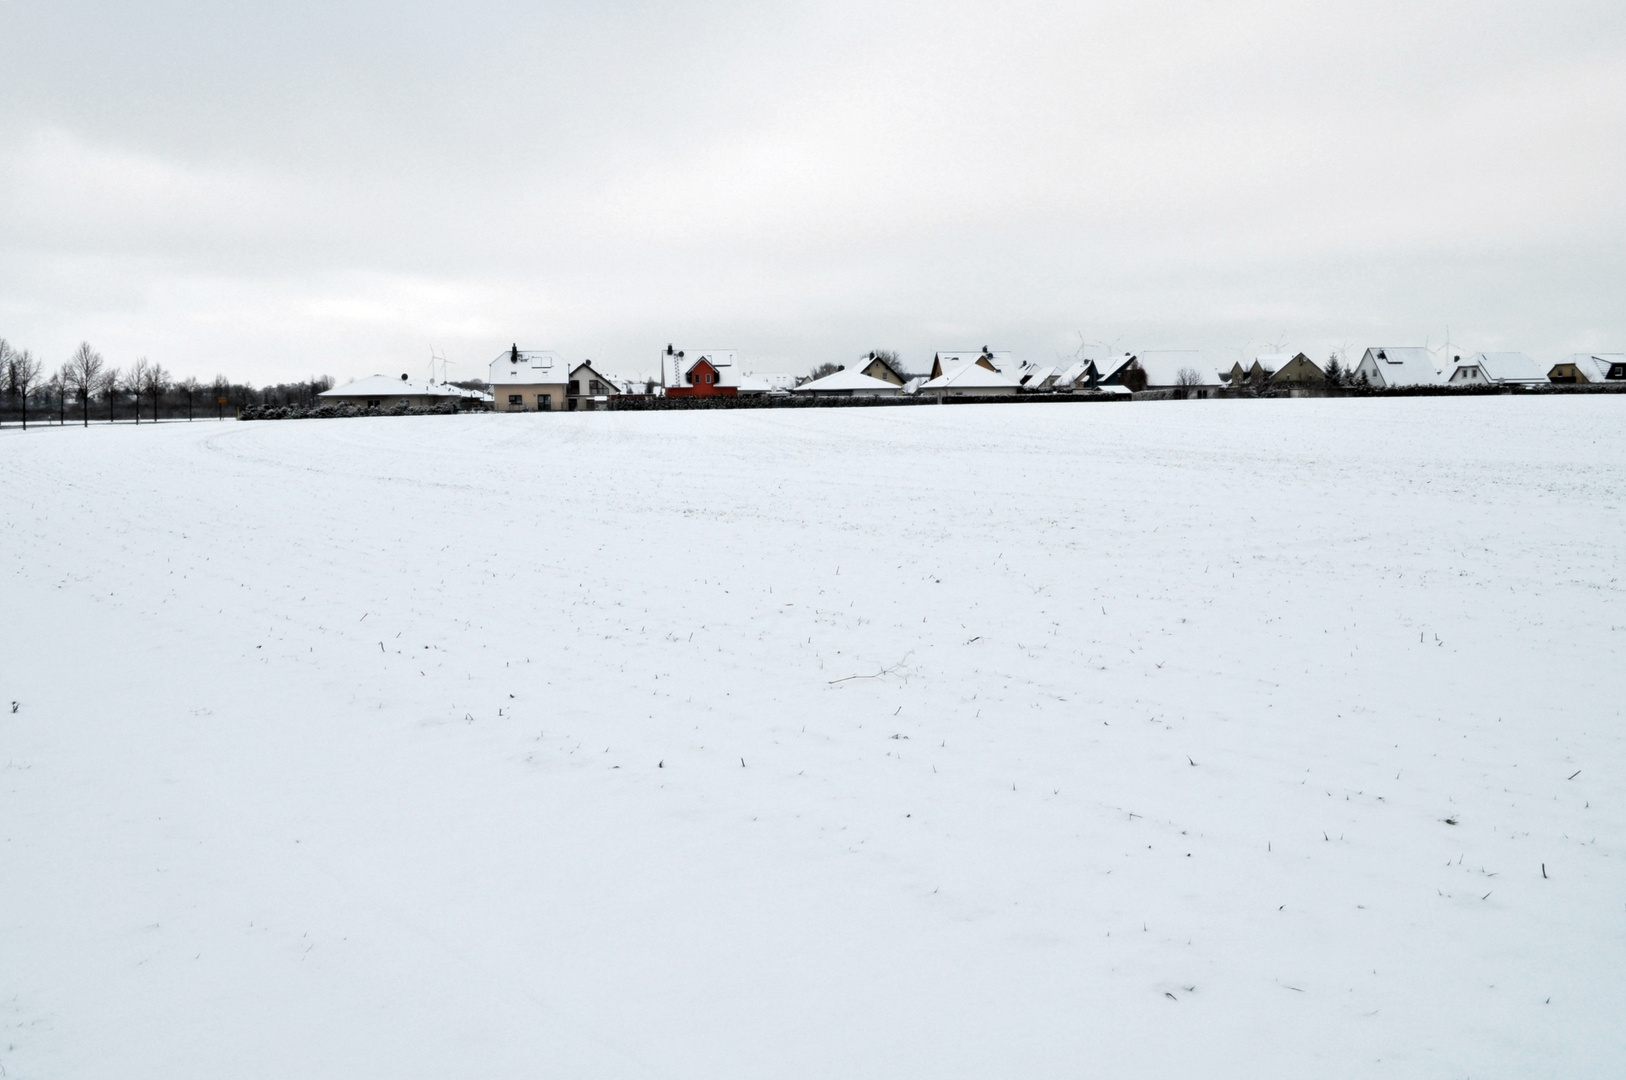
(373, 403)
(544, 402)
(594, 386)
(516, 399)
(575, 386)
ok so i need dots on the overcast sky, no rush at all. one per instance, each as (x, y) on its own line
(271, 190)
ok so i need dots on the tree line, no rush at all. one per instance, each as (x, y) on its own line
(86, 387)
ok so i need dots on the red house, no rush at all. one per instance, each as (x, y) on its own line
(711, 374)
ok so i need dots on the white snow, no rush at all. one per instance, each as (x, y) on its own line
(1076, 742)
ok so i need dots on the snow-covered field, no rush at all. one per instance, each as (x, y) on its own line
(1218, 739)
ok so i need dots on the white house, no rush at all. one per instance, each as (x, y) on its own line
(849, 382)
(970, 380)
(523, 381)
(588, 389)
(1391, 367)
(384, 392)
(1502, 368)
(766, 382)
(1176, 367)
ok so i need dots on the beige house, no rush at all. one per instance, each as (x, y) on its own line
(383, 392)
(588, 389)
(1299, 369)
(528, 381)
(1589, 368)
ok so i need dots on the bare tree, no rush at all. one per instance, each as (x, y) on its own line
(154, 383)
(110, 386)
(7, 375)
(54, 386)
(135, 381)
(218, 388)
(22, 372)
(822, 370)
(190, 387)
(1186, 380)
(81, 375)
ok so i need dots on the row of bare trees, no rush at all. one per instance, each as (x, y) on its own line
(86, 378)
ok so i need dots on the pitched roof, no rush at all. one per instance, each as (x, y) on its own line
(970, 376)
(1402, 366)
(1505, 367)
(613, 385)
(1035, 378)
(384, 386)
(528, 367)
(675, 364)
(1164, 368)
(1075, 371)
(848, 380)
(1112, 365)
(1000, 359)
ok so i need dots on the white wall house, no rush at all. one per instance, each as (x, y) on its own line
(1166, 369)
(1391, 367)
(1496, 368)
(970, 380)
(385, 392)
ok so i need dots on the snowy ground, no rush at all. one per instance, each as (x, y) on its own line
(1170, 739)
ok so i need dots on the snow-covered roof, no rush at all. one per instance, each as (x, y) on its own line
(968, 377)
(766, 382)
(1112, 365)
(1001, 359)
(613, 383)
(1163, 368)
(381, 386)
(1505, 367)
(1035, 378)
(519, 367)
(1075, 371)
(1401, 366)
(849, 380)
